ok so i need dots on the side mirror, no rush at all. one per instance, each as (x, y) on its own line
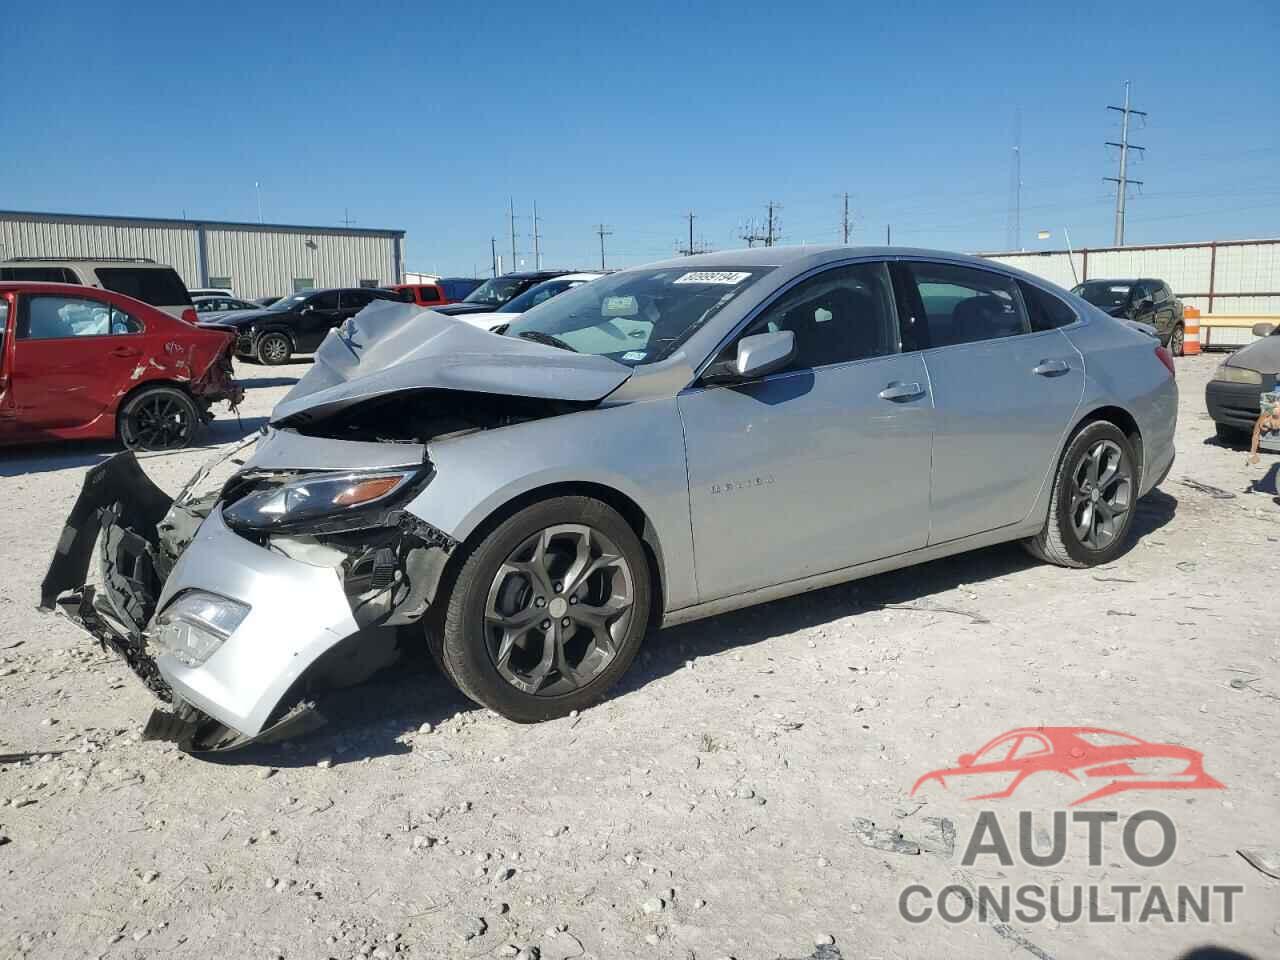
(966, 759)
(1143, 305)
(1263, 329)
(307, 308)
(757, 356)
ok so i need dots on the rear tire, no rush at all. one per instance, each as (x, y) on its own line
(274, 349)
(1086, 528)
(1177, 340)
(158, 418)
(523, 634)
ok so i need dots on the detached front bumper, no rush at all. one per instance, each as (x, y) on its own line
(297, 601)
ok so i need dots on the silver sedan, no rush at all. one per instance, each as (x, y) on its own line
(661, 444)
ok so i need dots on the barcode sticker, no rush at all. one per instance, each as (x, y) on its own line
(712, 276)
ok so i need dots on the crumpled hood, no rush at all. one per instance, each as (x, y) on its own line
(391, 347)
(1261, 355)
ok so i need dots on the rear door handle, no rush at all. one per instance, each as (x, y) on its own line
(125, 352)
(1051, 368)
(902, 392)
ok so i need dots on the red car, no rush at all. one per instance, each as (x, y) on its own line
(84, 363)
(437, 294)
(1103, 761)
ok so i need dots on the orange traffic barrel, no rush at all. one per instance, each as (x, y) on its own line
(1191, 331)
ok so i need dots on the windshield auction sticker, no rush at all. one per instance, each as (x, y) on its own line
(712, 276)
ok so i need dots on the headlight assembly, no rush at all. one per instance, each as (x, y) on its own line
(1229, 374)
(195, 625)
(327, 499)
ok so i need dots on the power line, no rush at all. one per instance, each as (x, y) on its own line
(1122, 181)
(603, 232)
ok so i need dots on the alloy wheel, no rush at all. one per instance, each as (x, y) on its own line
(1176, 340)
(160, 422)
(558, 610)
(274, 349)
(1101, 494)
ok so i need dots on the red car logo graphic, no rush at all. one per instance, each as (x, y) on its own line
(1087, 755)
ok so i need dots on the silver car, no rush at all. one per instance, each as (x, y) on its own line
(661, 444)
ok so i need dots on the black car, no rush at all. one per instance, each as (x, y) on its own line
(1233, 397)
(1146, 301)
(299, 322)
(498, 291)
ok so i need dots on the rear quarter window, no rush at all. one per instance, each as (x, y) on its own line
(39, 274)
(158, 286)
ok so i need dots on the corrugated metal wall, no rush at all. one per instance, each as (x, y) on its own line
(1243, 276)
(36, 236)
(258, 260)
(268, 263)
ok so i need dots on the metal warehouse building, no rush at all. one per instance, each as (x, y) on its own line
(253, 259)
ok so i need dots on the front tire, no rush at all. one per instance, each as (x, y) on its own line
(548, 611)
(274, 349)
(1177, 340)
(158, 418)
(1095, 494)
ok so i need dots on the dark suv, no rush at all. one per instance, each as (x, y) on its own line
(297, 323)
(495, 292)
(1146, 301)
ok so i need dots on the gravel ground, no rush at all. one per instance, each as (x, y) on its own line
(707, 809)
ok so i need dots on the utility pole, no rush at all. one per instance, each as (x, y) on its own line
(1014, 238)
(600, 229)
(257, 189)
(845, 221)
(690, 250)
(511, 210)
(346, 218)
(537, 237)
(888, 235)
(493, 253)
(770, 233)
(1122, 181)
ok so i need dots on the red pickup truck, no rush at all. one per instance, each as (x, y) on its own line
(438, 293)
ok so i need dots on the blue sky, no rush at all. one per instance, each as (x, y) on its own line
(428, 116)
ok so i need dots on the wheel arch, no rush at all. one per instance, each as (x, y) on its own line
(183, 387)
(1123, 419)
(282, 330)
(627, 508)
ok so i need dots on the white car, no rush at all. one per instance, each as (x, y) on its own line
(530, 298)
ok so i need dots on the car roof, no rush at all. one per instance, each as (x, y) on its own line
(577, 276)
(144, 262)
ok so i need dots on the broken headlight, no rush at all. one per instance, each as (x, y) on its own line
(195, 625)
(315, 497)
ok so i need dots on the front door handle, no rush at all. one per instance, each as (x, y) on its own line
(125, 352)
(902, 392)
(1051, 368)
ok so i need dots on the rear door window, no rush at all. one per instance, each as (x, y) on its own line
(356, 299)
(324, 301)
(158, 286)
(49, 317)
(965, 305)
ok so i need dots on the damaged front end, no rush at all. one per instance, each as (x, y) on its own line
(238, 600)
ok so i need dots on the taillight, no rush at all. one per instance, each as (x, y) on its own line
(1165, 357)
(189, 315)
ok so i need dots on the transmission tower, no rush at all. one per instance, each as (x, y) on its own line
(1123, 180)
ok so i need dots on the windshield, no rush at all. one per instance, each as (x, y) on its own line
(495, 292)
(535, 295)
(1102, 294)
(636, 317)
(284, 303)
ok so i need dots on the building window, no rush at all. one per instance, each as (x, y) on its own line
(303, 283)
(221, 283)
(369, 284)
